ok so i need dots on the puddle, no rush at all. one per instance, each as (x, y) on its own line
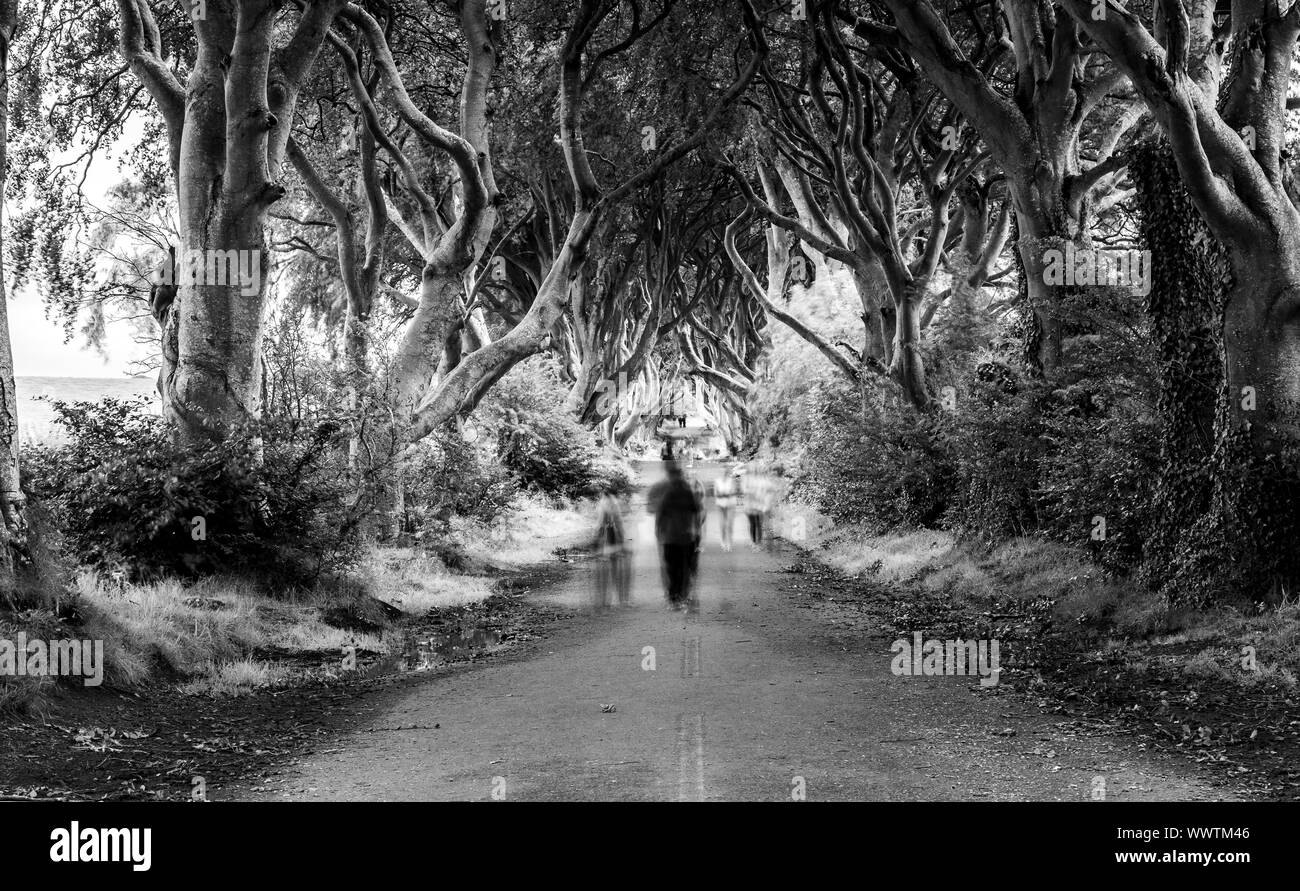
(421, 652)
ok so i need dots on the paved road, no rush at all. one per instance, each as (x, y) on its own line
(752, 698)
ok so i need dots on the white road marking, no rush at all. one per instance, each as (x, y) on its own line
(691, 658)
(690, 753)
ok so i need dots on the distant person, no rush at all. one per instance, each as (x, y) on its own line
(666, 453)
(726, 492)
(614, 570)
(676, 511)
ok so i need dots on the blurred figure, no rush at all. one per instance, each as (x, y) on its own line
(614, 567)
(759, 494)
(726, 492)
(676, 511)
(697, 489)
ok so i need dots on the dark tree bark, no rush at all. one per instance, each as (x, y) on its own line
(1238, 180)
(1034, 134)
(1190, 281)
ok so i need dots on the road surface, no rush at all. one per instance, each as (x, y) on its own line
(752, 698)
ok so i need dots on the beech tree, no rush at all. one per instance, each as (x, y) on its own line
(1225, 119)
(590, 202)
(228, 127)
(13, 502)
(1066, 106)
(862, 127)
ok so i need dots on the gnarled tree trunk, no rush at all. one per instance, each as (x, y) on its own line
(228, 129)
(1189, 283)
(1245, 544)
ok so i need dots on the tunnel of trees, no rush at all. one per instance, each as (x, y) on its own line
(1003, 267)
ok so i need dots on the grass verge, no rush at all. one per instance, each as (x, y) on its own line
(218, 636)
(1216, 686)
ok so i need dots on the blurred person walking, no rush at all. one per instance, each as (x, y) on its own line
(697, 489)
(677, 512)
(759, 494)
(614, 567)
(726, 492)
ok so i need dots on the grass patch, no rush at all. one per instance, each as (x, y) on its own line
(236, 678)
(1217, 686)
(213, 636)
(535, 529)
(168, 631)
(1111, 612)
(417, 582)
(904, 556)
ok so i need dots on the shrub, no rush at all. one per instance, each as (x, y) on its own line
(994, 438)
(40, 577)
(448, 477)
(25, 693)
(542, 444)
(274, 502)
(886, 470)
(1100, 468)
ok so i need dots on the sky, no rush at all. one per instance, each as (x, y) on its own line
(38, 347)
(39, 350)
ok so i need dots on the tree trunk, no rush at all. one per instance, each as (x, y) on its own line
(624, 431)
(356, 361)
(1189, 282)
(228, 130)
(1245, 545)
(1261, 342)
(1038, 246)
(446, 279)
(956, 331)
(418, 352)
(908, 366)
(878, 323)
(230, 152)
(517, 344)
(13, 504)
(217, 380)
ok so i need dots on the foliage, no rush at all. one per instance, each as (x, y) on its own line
(1243, 547)
(1011, 455)
(994, 437)
(274, 502)
(543, 445)
(884, 466)
(1100, 468)
(451, 477)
